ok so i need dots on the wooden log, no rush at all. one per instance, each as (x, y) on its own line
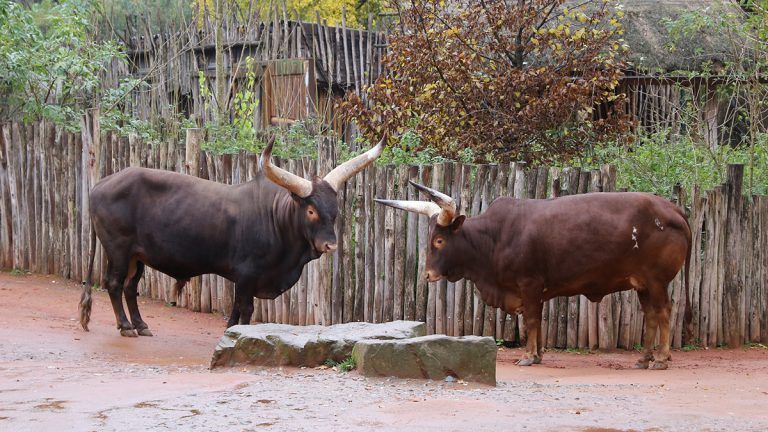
(489, 326)
(411, 250)
(606, 307)
(400, 229)
(469, 290)
(421, 282)
(381, 187)
(432, 287)
(500, 189)
(450, 287)
(360, 246)
(478, 309)
(461, 314)
(595, 185)
(194, 138)
(338, 269)
(520, 191)
(733, 287)
(349, 253)
(388, 291)
(370, 228)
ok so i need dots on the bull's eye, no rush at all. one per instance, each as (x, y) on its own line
(438, 242)
(312, 214)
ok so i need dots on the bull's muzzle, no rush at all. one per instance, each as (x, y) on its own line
(329, 247)
(431, 276)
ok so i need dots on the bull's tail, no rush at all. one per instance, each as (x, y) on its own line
(85, 298)
(688, 317)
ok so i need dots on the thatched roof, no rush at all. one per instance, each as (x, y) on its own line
(649, 39)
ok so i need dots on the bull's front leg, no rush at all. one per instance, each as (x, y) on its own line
(234, 316)
(533, 348)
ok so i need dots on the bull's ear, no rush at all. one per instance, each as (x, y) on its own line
(458, 221)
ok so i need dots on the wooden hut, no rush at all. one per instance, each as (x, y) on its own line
(295, 69)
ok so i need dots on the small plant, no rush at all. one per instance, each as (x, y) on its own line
(18, 272)
(344, 366)
(756, 345)
(638, 347)
(690, 347)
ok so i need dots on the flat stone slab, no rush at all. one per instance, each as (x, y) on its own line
(468, 358)
(288, 345)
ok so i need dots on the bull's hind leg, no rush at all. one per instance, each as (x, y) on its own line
(663, 309)
(649, 335)
(532, 317)
(131, 289)
(113, 282)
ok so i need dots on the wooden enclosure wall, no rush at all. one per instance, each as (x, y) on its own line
(46, 173)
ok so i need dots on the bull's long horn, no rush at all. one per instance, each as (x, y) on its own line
(423, 207)
(446, 204)
(297, 185)
(345, 171)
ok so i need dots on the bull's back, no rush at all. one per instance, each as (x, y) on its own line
(593, 242)
(175, 223)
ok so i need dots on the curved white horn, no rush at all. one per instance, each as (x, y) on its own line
(446, 204)
(345, 171)
(423, 207)
(295, 184)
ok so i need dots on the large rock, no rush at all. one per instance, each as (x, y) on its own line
(469, 358)
(287, 345)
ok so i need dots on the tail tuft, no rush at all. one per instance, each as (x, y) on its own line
(85, 306)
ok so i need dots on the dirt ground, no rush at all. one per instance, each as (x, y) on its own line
(54, 376)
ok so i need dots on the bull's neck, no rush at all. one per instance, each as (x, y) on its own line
(480, 239)
(286, 214)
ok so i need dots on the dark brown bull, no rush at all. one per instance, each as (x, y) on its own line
(523, 252)
(258, 234)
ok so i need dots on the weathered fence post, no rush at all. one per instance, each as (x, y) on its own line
(733, 285)
(193, 139)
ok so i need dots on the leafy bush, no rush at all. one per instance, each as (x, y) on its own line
(49, 60)
(655, 163)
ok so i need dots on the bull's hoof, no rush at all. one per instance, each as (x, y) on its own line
(537, 360)
(128, 333)
(641, 364)
(659, 365)
(145, 332)
(525, 361)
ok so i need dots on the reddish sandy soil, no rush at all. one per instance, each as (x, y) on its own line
(54, 376)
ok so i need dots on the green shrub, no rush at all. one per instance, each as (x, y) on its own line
(655, 163)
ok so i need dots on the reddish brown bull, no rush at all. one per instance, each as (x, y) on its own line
(523, 252)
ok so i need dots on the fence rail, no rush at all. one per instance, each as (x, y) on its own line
(46, 173)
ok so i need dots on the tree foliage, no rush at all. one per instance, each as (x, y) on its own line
(521, 80)
(331, 10)
(740, 79)
(49, 63)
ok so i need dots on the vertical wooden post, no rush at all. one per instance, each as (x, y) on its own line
(733, 283)
(519, 192)
(193, 140)
(411, 245)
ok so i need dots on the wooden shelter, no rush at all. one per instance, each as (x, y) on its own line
(296, 69)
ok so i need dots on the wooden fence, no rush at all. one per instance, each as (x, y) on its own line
(46, 173)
